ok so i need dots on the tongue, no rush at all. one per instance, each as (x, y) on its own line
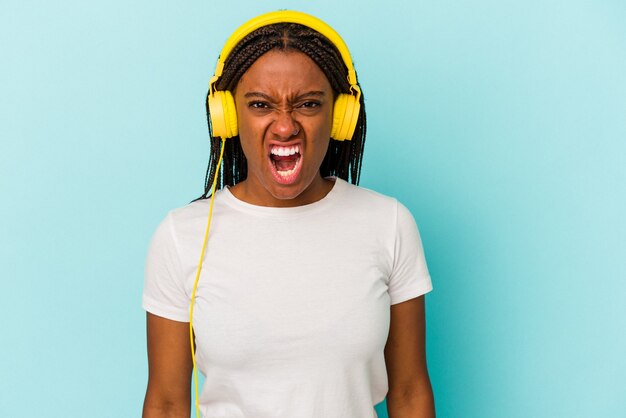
(286, 162)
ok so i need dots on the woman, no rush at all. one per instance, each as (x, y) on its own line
(309, 299)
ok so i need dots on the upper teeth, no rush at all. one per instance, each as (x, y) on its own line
(284, 151)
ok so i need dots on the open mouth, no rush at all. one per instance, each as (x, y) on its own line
(285, 163)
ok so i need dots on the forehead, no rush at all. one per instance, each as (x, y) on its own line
(283, 71)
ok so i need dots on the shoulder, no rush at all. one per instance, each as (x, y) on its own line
(195, 211)
(358, 195)
(189, 211)
(184, 222)
(374, 204)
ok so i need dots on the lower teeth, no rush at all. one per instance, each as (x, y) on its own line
(286, 173)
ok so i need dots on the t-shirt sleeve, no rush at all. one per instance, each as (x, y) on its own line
(409, 277)
(164, 291)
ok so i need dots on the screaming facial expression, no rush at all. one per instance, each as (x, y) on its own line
(284, 110)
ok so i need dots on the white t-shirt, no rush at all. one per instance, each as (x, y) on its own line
(293, 304)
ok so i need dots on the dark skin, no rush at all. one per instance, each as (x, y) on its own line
(169, 363)
(410, 393)
(284, 98)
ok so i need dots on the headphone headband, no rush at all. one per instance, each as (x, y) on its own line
(286, 16)
(222, 105)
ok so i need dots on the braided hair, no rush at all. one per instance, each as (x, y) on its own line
(343, 158)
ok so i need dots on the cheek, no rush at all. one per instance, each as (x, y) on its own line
(247, 139)
(328, 122)
(322, 129)
(243, 126)
(253, 153)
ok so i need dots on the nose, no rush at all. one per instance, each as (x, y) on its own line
(285, 126)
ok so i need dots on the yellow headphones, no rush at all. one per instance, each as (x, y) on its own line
(222, 105)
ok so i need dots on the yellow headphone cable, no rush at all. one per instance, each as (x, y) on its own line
(195, 284)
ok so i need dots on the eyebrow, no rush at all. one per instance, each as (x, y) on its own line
(314, 93)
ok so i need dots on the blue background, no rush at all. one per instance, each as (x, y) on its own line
(501, 125)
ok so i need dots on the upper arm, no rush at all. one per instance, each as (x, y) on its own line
(405, 351)
(169, 365)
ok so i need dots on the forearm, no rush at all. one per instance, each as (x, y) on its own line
(414, 403)
(168, 394)
(156, 406)
(165, 411)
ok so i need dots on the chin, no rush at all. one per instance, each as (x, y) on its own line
(289, 192)
(294, 194)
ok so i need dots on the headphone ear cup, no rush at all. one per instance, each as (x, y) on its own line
(345, 117)
(339, 111)
(223, 114)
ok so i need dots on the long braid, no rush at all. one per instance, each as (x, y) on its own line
(343, 158)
